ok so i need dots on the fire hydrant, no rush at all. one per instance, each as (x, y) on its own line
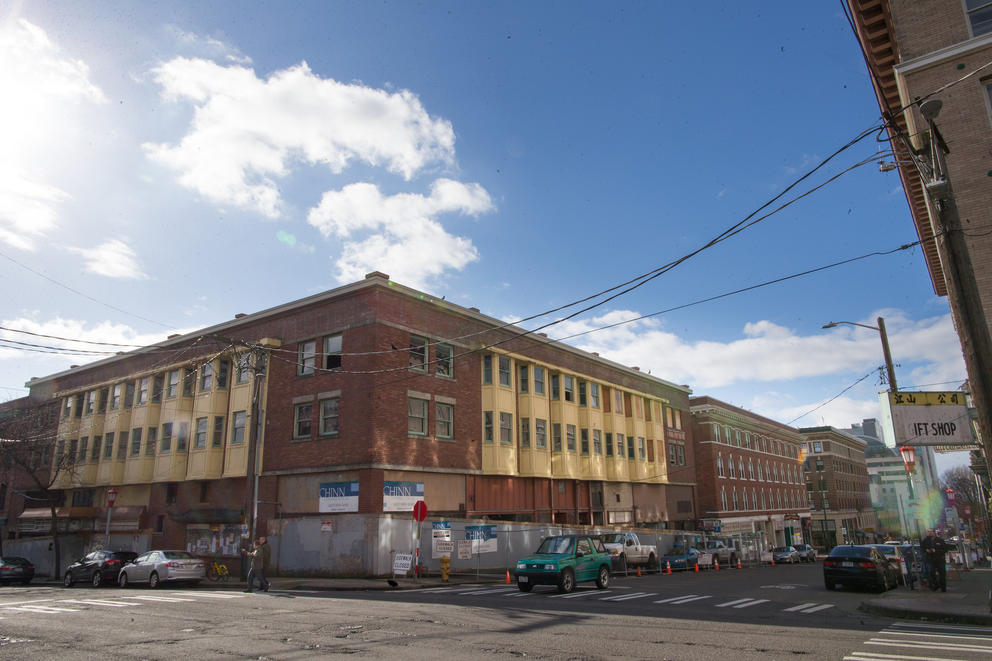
(445, 567)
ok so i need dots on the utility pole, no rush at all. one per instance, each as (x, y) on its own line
(962, 287)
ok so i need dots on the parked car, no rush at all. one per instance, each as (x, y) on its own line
(626, 550)
(725, 554)
(859, 565)
(680, 558)
(14, 569)
(565, 560)
(157, 567)
(806, 552)
(97, 567)
(782, 554)
(893, 554)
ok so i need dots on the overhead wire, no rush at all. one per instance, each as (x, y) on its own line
(817, 408)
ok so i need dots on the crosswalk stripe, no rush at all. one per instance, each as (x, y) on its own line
(754, 602)
(674, 599)
(733, 603)
(212, 595)
(518, 594)
(584, 593)
(490, 591)
(636, 595)
(947, 627)
(98, 602)
(165, 599)
(815, 609)
(42, 609)
(685, 601)
(799, 607)
(937, 635)
(929, 646)
(868, 656)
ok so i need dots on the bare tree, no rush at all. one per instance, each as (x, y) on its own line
(35, 459)
(966, 494)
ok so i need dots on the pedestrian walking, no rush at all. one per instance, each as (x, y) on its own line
(260, 555)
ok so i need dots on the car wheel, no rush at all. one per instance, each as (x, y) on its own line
(603, 580)
(67, 580)
(566, 582)
(525, 587)
(122, 580)
(828, 584)
(153, 581)
(97, 579)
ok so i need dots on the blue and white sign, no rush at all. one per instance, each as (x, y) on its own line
(401, 496)
(483, 538)
(339, 497)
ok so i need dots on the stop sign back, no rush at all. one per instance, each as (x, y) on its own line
(420, 510)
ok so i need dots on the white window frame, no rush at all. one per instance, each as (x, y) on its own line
(306, 363)
(444, 420)
(415, 406)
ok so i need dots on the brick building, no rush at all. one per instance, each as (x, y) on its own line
(363, 400)
(747, 474)
(917, 49)
(836, 476)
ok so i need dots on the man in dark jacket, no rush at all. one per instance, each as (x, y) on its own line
(935, 550)
(259, 564)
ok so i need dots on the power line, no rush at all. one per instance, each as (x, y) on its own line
(813, 410)
(69, 339)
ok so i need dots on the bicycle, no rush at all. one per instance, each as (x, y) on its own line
(218, 570)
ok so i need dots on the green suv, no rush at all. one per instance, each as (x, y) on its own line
(563, 561)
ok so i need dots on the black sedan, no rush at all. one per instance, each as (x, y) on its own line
(859, 565)
(97, 568)
(15, 570)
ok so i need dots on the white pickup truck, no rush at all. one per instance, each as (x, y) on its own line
(626, 550)
(726, 555)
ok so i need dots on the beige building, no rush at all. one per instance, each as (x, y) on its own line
(942, 49)
(837, 483)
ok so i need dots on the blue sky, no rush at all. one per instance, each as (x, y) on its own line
(173, 164)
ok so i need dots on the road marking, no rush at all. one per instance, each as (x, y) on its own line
(518, 594)
(165, 599)
(685, 601)
(211, 595)
(799, 607)
(821, 607)
(48, 610)
(732, 603)
(921, 645)
(752, 603)
(868, 656)
(98, 602)
(574, 595)
(674, 599)
(948, 627)
(625, 597)
(936, 635)
(500, 590)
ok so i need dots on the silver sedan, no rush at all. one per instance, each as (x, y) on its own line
(156, 567)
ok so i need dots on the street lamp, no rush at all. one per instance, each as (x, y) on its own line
(111, 497)
(908, 453)
(890, 369)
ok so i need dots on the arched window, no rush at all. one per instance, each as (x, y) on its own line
(719, 464)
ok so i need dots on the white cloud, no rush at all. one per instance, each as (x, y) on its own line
(39, 87)
(247, 131)
(841, 412)
(105, 331)
(768, 352)
(114, 259)
(208, 46)
(406, 241)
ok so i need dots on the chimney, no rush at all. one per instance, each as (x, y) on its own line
(595, 353)
(376, 274)
(475, 310)
(636, 369)
(239, 315)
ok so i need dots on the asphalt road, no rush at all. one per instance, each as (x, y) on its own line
(780, 613)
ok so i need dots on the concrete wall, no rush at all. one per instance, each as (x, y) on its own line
(38, 549)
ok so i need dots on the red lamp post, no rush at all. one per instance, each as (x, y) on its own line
(111, 498)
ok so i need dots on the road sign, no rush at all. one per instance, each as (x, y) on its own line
(442, 547)
(420, 510)
(402, 562)
(464, 549)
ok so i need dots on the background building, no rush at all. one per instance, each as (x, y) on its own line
(350, 406)
(748, 476)
(836, 478)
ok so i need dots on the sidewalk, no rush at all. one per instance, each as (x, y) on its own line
(967, 601)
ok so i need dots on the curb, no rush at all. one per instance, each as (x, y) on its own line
(927, 615)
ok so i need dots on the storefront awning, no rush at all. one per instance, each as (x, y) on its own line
(209, 515)
(60, 512)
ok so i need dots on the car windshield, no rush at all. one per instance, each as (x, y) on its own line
(887, 550)
(557, 545)
(610, 538)
(177, 555)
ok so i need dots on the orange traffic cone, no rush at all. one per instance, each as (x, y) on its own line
(507, 576)
(668, 567)
(716, 564)
(638, 571)
(739, 563)
(773, 561)
(697, 567)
